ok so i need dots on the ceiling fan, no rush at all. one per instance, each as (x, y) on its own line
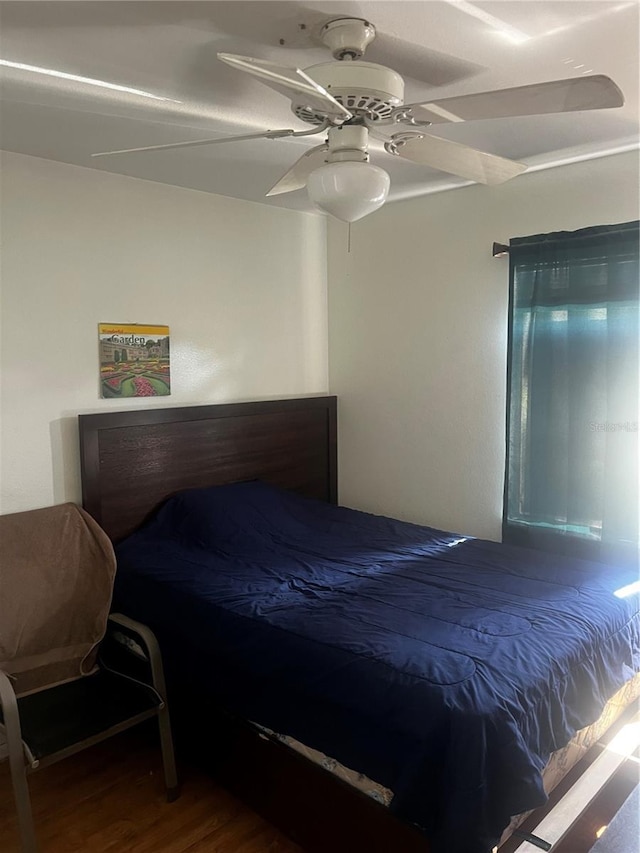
(349, 100)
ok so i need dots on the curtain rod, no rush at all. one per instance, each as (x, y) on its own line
(500, 250)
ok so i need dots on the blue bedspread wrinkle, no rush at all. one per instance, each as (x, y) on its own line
(446, 668)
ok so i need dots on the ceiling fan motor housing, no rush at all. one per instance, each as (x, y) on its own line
(364, 88)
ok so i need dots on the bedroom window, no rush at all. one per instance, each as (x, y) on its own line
(572, 418)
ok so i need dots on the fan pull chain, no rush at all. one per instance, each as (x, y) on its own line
(349, 239)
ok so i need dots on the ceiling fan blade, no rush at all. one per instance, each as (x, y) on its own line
(296, 177)
(457, 159)
(289, 81)
(596, 92)
(266, 134)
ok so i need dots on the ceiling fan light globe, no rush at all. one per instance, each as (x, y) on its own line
(348, 190)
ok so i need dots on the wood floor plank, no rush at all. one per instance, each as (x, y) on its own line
(236, 835)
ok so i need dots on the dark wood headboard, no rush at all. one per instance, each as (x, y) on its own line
(132, 461)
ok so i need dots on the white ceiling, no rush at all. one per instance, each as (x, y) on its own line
(169, 49)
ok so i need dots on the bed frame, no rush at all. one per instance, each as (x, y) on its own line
(131, 462)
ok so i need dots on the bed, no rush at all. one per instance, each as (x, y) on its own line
(445, 668)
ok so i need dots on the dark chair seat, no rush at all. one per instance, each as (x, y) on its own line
(61, 717)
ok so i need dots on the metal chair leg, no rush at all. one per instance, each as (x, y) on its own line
(157, 675)
(168, 755)
(23, 807)
(17, 765)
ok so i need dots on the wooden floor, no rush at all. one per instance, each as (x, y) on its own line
(110, 799)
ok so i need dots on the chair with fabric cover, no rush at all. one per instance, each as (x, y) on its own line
(71, 675)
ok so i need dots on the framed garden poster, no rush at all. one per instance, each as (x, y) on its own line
(134, 360)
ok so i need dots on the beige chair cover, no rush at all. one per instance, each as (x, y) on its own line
(57, 568)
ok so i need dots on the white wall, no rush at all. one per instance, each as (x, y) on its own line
(417, 337)
(242, 287)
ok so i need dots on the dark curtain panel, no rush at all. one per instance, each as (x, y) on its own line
(572, 433)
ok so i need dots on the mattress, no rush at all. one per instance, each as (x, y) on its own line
(444, 667)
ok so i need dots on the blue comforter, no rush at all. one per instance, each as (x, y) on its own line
(446, 668)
